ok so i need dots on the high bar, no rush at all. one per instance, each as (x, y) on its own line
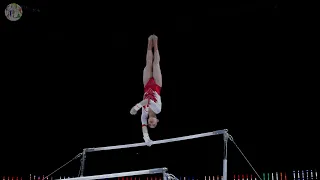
(123, 174)
(218, 132)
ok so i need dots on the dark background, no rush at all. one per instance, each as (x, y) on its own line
(69, 79)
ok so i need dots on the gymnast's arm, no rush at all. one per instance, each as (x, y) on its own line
(144, 122)
(138, 106)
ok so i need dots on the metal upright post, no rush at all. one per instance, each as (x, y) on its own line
(83, 162)
(164, 174)
(225, 169)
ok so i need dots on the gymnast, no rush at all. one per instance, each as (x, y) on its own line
(152, 81)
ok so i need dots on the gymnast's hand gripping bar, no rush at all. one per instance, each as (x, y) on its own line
(218, 132)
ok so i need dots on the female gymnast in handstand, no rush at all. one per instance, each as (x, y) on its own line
(152, 81)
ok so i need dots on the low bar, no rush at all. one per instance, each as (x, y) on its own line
(123, 174)
(218, 132)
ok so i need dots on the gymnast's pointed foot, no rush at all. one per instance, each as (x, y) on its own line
(155, 42)
(150, 42)
(154, 37)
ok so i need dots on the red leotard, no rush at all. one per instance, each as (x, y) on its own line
(149, 88)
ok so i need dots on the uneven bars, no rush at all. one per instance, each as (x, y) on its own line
(218, 132)
(123, 174)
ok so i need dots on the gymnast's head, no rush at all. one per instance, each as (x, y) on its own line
(152, 122)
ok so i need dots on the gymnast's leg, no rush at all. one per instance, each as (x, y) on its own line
(156, 62)
(147, 71)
